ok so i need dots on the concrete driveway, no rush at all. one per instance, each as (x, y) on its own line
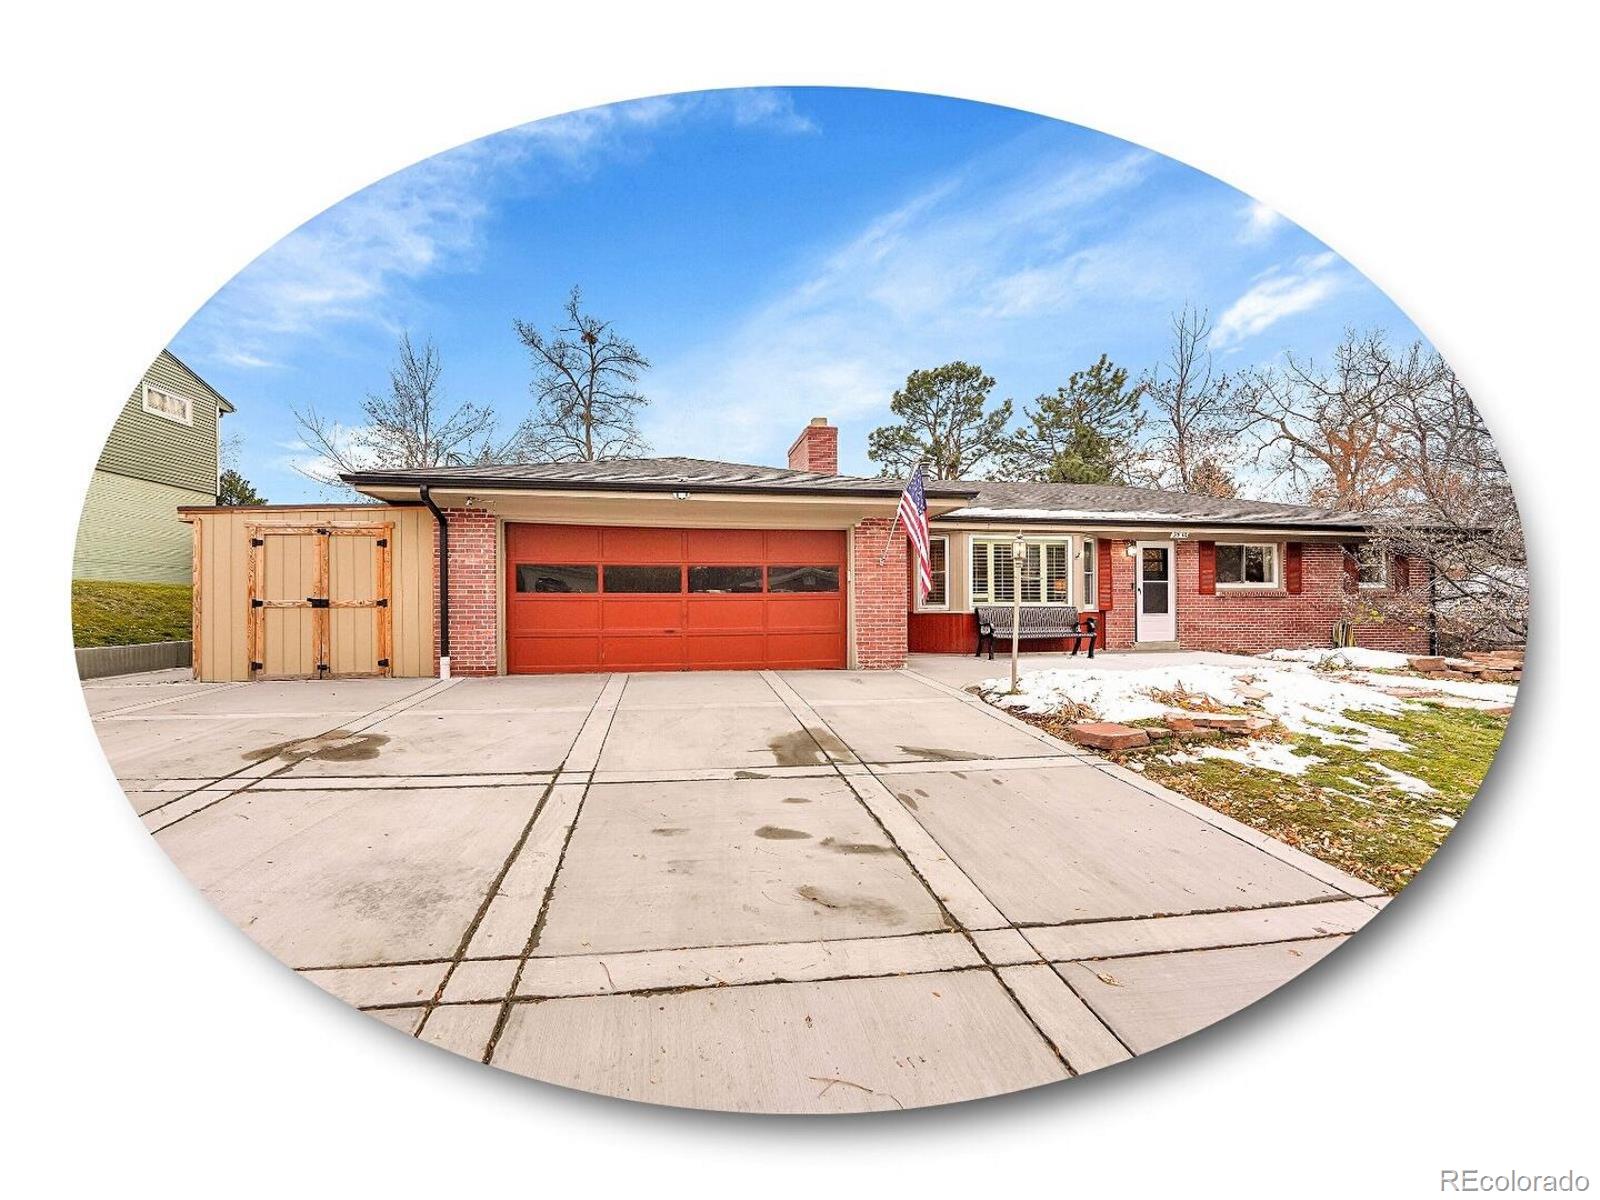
(781, 892)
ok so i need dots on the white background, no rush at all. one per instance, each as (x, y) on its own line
(154, 148)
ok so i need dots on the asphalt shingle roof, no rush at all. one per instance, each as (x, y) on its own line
(986, 500)
(650, 474)
(1097, 502)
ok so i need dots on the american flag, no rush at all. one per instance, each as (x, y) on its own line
(913, 514)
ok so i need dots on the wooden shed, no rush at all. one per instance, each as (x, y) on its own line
(312, 592)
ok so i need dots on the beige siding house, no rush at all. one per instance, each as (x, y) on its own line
(164, 452)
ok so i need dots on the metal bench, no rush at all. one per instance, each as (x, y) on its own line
(1050, 621)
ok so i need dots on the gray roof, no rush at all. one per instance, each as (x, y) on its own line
(650, 474)
(1096, 503)
(1084, 504)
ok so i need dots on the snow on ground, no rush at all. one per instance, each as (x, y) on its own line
(1282, 684)
(1344, 658)
(1406, 783)
(1269, 756)
(1488, 695)
(1300, 699)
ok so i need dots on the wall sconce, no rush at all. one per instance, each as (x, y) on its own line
(680, 495)
(1133, 550)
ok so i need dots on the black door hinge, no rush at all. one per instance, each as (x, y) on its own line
(317, 601)
(255, 666)
(257, 603)
(384, 602)
(383, 543)
(383, 662)
(322, 668)
(258, 541)
(323, 532)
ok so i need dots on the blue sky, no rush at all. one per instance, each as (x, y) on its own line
(777, 255)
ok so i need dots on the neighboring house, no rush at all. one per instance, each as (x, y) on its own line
(164, 452)
(682, 563)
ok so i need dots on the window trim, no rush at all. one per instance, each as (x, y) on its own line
(1089, 571)
(190, 402)
(1275, 584)
(1382, 582)
(922, 605)
(1041, 539)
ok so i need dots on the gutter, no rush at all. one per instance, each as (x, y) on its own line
(477, 485)
(444, 581)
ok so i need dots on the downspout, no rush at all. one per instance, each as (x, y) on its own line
(444, 581)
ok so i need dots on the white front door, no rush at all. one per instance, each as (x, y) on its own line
(1156, 594)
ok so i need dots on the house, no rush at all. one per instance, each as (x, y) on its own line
(164, 452)
(684, 563)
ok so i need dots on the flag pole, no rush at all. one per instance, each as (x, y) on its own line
(895, 524)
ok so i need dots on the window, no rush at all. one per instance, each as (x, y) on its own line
(939, 570)
(169, 405)
(557, 578)
(1091, 581)
(1372, 566)
(1247, 564)
(1046, 578)
(802, 579)
(725, 580)
(644, 579)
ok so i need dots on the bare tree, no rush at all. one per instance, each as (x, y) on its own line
(410, 426)
(586, 391)
(1192, 435)
(1322, 431)
(1452, 510)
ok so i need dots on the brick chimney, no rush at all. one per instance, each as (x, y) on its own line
(816, 449)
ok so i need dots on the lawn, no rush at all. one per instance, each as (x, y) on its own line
(127, 614)
(1346, 809)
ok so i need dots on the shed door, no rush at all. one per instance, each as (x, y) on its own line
(287, 576)
(319, 599)
(598, 598)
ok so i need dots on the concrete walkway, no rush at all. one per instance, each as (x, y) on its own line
(780, 892)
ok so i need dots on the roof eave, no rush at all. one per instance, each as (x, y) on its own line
(1134, 520)
(362, 480)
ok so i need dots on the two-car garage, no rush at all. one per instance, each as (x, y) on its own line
(610, 598)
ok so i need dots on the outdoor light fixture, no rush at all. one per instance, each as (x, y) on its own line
(680, 495)
(1133, 550)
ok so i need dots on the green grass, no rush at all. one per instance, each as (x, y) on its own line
(128, 614)
(1344, 811)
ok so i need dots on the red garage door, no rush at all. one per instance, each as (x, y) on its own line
(596, 598)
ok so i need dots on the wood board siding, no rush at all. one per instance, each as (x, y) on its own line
(222, 575)
(129, 530)
(142, 445)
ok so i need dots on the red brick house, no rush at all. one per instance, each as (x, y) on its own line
(682, 563)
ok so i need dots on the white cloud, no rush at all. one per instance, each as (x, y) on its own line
(1260, 222)
(933, 279)
(350, 263)
(1276, 294)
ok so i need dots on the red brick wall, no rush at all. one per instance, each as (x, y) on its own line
(474, 592)
(1253, 620)
(816, 449)
(878, 595)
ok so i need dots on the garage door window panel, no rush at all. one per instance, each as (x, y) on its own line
(803, 579)
(557, 579)
(651, 580)
(725, 581)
